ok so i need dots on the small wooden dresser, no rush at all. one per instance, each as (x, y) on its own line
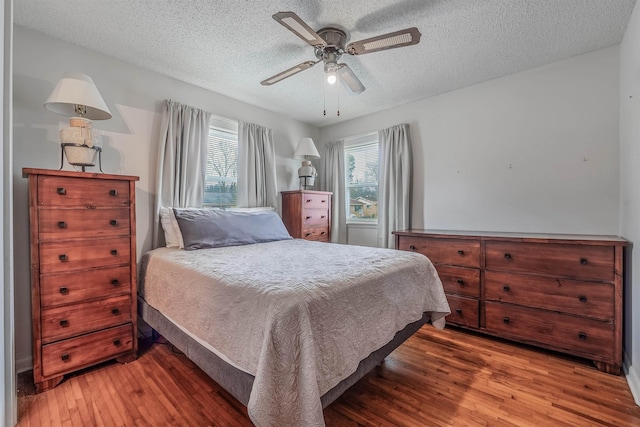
(83, 271)
(561, 292)
(307, 214)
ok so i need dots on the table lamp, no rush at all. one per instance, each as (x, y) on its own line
(76, 95)
(306, 173)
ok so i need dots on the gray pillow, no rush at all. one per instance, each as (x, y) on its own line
(213, 228)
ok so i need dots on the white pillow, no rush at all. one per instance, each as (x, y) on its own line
(172, 234)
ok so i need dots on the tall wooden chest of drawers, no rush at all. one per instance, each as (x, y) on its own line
(561, 292)
(307, 214)
(83, 271)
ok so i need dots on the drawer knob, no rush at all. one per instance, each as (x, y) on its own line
(308, 200)
(115, 282)
(308, 217)
(113, 222)
(323, 201)
(584, 261)
(505, 320)
(113, 192)
(323, 233)
(63, 258)
(61, 191)
(460, 282)
(582, 298)
(64, 290)
(115, 311)
(413, 248)
(307, 234)
(114, 252)
(582, 335)
(506, 288)
(322, 217)
(64, 323)
(65, 357)
(507, 256)
(458, 310)
(116, 341)
(62, 224)
(460, 252)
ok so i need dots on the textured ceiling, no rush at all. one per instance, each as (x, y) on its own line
(229, 46)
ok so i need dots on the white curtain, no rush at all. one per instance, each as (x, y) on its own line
(257, 165)
(182, 156)
(394, 183)
(331, 178)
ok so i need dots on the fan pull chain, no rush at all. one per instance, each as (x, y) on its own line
(338, 90)
(324, 96)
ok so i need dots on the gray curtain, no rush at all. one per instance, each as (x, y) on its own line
(257, 164)
(331, 178)
(394, 183)
(182, 156)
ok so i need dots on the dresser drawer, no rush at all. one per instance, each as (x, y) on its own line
(462, 253)
(464, 311)
(75, 319)
(60, 289)
(589, 299)
(314, 217)
(320, 234)
(75, 353)
(83, 223)
(567, 260)
(315, 201)
(63, 191)
(461, 281)
(79, 255)
(584, 337)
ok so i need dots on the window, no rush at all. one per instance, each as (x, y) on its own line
(361, 174)
(221, 180)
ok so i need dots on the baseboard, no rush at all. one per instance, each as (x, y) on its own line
(633, 378)
(24, 364)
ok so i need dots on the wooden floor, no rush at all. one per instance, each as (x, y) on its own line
(437, 378)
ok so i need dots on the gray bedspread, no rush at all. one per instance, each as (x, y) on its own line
(297, 315)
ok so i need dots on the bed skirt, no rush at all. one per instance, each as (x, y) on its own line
(239, 383)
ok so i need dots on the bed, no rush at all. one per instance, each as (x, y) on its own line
(285, 325)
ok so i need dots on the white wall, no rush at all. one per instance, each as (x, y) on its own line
(535, 151)
(630, 199)
(135, 97)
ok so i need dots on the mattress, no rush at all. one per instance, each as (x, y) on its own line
(298, 316)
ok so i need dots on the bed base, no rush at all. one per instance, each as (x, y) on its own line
(239, 383)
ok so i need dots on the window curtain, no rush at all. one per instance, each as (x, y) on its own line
(182, 156)
(394, 183)
(331, 178)
(257, 165)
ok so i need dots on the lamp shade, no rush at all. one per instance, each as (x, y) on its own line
(306, 150)
(77, 95)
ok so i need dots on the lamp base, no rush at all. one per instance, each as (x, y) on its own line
(80, 155)
(307, 175)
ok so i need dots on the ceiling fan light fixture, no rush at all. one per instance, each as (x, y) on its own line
(331, 78)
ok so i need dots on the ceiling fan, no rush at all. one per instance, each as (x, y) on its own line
(329, 46)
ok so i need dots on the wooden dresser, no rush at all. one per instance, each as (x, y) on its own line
(561, 292)
(83, 271)
(307, 214)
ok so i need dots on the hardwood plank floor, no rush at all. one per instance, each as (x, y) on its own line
(436, 378)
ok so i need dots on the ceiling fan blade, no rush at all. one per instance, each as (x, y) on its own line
(288, 73)
(349, 79)
(406, 37)
(300, 28)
